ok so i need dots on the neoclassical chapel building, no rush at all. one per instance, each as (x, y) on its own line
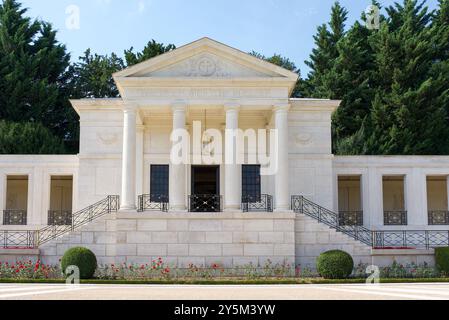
(124, 198)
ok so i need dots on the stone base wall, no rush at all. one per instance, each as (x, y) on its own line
(404, 257)
(15, 255)
(228, 239)
(314, 238)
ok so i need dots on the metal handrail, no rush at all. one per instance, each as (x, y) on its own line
(35, 238)
(152, 202)
(411, 239)
(205, 203)
(260, 203)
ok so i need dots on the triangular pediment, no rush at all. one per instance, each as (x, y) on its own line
(207, 64)
(206, 58)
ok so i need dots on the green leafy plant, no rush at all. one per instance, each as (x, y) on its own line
(335, 264)
(442, 260)
(82, 258)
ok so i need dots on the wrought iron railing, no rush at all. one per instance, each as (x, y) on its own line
(395, 218)
(350, 218)
(260, 203)
(425, 239)
(407, 239)
(331, 219)
(205, 203)
(18, 239)
(59, 218)
(438, 218)
(14, 217)
(151, 202)
(33, 239)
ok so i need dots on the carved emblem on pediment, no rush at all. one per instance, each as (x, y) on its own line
(108, 138)
(205, 66)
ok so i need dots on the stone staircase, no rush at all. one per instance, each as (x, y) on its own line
(314, 238)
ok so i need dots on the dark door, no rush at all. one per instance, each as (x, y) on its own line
(205, 189)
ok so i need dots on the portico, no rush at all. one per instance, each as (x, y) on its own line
(207, 82)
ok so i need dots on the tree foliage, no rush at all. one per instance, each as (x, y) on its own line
(393, 82)
(151, 50)
(32, 71)
(28, 138)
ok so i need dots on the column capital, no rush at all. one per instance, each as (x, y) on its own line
(231, 106)
(130, 106)
(179, 106)
(282, 107)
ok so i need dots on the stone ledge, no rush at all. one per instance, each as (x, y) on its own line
(24, 252)
(401, 252)
(205, 216)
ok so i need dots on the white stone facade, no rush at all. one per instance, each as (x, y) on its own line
(224, 89)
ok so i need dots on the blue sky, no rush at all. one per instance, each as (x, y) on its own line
(268, 26)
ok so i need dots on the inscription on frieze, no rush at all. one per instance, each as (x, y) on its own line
(195, 93)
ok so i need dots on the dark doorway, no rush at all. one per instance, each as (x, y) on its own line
(205, 189)
(206, 180)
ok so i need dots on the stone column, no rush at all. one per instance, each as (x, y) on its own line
(373, 198)
(178, 171)
(140, 159)
(232, 182)
(282, 190)
(416, 198)
(128, 197)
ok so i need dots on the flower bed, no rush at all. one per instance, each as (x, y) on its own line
(157, 270)
(29, 270)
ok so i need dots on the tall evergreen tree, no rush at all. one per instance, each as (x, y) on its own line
(151, 50)
(409, 115)
(91, 76)
(323, 56)
(32, 69)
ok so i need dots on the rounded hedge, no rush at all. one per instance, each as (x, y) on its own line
(335, 264)
(83, 258)
(442, 260)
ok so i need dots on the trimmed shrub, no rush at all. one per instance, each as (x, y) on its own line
(335, 264)
(83, 258)
(442, 260)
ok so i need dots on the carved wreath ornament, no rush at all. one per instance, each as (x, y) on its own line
(303, 139)
(205, 67)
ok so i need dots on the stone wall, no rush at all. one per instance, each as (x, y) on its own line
(314, 238)
(229, 239)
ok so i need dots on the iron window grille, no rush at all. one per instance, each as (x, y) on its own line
(205, 203)
(350, 218)
(438, 218)
(59, 218)
(395, 218)
(14, 217)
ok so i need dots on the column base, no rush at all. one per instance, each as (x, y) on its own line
(128, 208)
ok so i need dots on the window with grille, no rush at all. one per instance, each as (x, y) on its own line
(251, 183)
(159, 183)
